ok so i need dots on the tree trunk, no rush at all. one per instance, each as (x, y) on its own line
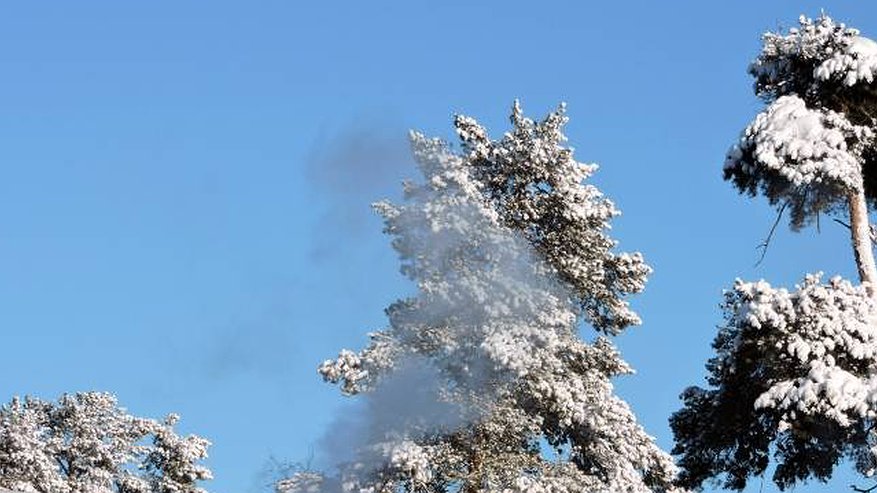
(860, 233)
(473, 481)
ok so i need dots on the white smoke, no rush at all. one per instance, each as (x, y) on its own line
(486, 306)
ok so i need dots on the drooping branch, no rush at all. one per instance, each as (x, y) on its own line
(766, 243)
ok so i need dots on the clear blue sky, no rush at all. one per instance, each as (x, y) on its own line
(184, 188)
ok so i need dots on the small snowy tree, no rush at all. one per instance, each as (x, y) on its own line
(85, 443)
(794, 372)
(482, 372)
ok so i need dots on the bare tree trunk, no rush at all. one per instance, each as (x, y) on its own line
(860, 233)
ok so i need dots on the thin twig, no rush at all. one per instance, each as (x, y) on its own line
(766, 243)
(863, 490)
(872, 230)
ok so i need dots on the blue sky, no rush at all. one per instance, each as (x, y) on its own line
(184, 188)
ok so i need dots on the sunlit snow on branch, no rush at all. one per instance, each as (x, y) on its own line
(813, 56)
(794, 366)
(808, 158)
(855, 63)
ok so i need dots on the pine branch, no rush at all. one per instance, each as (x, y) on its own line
(871, 227)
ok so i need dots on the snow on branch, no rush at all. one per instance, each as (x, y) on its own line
(818, 54)
(792, 366)
(805, 157)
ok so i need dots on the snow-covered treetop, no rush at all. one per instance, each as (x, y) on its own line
(817, 56)
(509, 251)
(85, 443)
(505, 228)
(535, 184)
(812, 145)
(791, 368)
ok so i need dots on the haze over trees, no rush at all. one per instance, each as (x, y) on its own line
(794, 370)
(86, 443)
(482, 372)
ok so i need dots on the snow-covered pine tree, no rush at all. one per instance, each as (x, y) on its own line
(795, 372)
(482, 371)
(85, 443)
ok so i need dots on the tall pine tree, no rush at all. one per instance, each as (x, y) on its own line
(481, 382)
(794, 371)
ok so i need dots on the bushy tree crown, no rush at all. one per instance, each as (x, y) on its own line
(509, 250)
(794, 371)
(85, 443)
